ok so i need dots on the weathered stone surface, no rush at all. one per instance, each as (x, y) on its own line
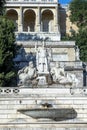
(34, 98)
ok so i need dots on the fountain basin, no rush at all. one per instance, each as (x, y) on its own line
(56, 114)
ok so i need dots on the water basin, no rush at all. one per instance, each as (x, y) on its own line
(56, 114)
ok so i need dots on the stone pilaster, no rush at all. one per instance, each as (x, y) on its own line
(56, 20)
(38, 19)
(20, 28)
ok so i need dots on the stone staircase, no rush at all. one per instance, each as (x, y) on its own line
(13, 99)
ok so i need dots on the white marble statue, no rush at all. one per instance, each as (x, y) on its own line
(41, 60)
(45, 74)
(73, 78)
(77, 53)
(27, 73)
(59, 76)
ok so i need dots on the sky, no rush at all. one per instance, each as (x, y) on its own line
(64, 1)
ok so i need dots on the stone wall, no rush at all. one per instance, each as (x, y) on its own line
(13, 99)
(64, 50)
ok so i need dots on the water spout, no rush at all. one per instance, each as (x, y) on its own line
(46, 105)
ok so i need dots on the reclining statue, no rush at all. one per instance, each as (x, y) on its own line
(59, 76)
(27, 74)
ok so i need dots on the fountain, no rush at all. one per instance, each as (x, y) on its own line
(43, 75)
(48, 94)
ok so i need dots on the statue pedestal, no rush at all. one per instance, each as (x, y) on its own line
(45, 79)
(42, 80)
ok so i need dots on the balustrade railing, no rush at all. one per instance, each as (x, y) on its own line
(37, 1)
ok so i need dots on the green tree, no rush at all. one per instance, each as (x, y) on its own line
(78, 16)
(7, 51)
(2, 8)
(78, 10)
(81, 41)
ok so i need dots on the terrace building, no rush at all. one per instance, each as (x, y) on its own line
(38, 20)
(35, 17)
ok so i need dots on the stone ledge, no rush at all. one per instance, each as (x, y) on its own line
(44, 91)
(58, 44)
(45, 126)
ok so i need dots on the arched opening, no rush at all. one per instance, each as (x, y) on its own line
(29, 21)
(47, 21)
(13, 15)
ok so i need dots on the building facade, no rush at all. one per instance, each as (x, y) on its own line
(38, 20)
(34, 16)
(66, 26)
(40, 17)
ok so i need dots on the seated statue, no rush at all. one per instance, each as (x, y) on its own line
(59, 76)
(27, 74)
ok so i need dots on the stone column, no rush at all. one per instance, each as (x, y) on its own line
(20, 28)
(56, 20)
(38, 20)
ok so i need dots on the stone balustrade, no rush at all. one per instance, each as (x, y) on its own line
(32, 1)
